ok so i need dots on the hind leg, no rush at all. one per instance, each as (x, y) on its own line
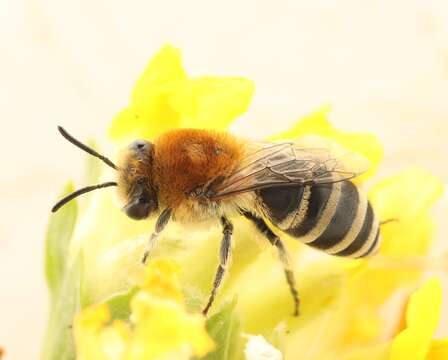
(283, 255)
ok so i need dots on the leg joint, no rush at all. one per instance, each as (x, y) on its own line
(227, 226)
(274, 240)
(227, 231)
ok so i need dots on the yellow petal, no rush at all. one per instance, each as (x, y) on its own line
(423, 315)
(164, 67)
(373, 352)
(438, 350)
(101, 343)
(143, 122)
(211, 102)
(161, 280)
(406, 197)
(114, 340)
(416, 188)
(87, 329)
(316, 123)
(164, 98)
(92, 318)
(149, 113)
(424, 306)
(163, 326)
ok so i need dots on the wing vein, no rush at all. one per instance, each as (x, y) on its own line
(289, 163)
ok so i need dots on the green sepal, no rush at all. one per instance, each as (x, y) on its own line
(119, 304)
(224, 328)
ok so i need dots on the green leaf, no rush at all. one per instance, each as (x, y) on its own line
(64, 282)
(59, 232)
(224, 328)
(65, 304)
(119, 304)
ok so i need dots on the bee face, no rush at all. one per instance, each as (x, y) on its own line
(135, 180)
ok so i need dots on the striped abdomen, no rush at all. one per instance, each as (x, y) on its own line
(336, 218)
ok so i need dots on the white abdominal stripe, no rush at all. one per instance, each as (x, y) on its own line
(336, 218)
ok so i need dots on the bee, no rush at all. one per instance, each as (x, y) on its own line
(197, 176)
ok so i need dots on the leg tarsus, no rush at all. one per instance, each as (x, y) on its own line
(218, 277)
(160, 225)
(289, 274)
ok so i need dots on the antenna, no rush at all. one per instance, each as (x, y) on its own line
(86, 148)
(79, 192)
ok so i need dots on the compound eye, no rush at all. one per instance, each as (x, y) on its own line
(140, 146)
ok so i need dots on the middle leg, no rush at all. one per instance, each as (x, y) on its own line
(223, 258)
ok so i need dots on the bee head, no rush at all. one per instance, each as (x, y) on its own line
(135, 186)
(134, 178)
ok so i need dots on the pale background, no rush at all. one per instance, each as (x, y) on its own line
(382, 64)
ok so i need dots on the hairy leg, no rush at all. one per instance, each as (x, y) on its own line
(283, 255)
(223, 258)
(160, 225)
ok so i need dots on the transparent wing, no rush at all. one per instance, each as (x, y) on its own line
(291, 163)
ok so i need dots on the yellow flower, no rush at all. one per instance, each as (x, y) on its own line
(159, 324)
(342, 300)
(165, 98)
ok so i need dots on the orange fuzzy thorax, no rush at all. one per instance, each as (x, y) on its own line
(186, 159)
